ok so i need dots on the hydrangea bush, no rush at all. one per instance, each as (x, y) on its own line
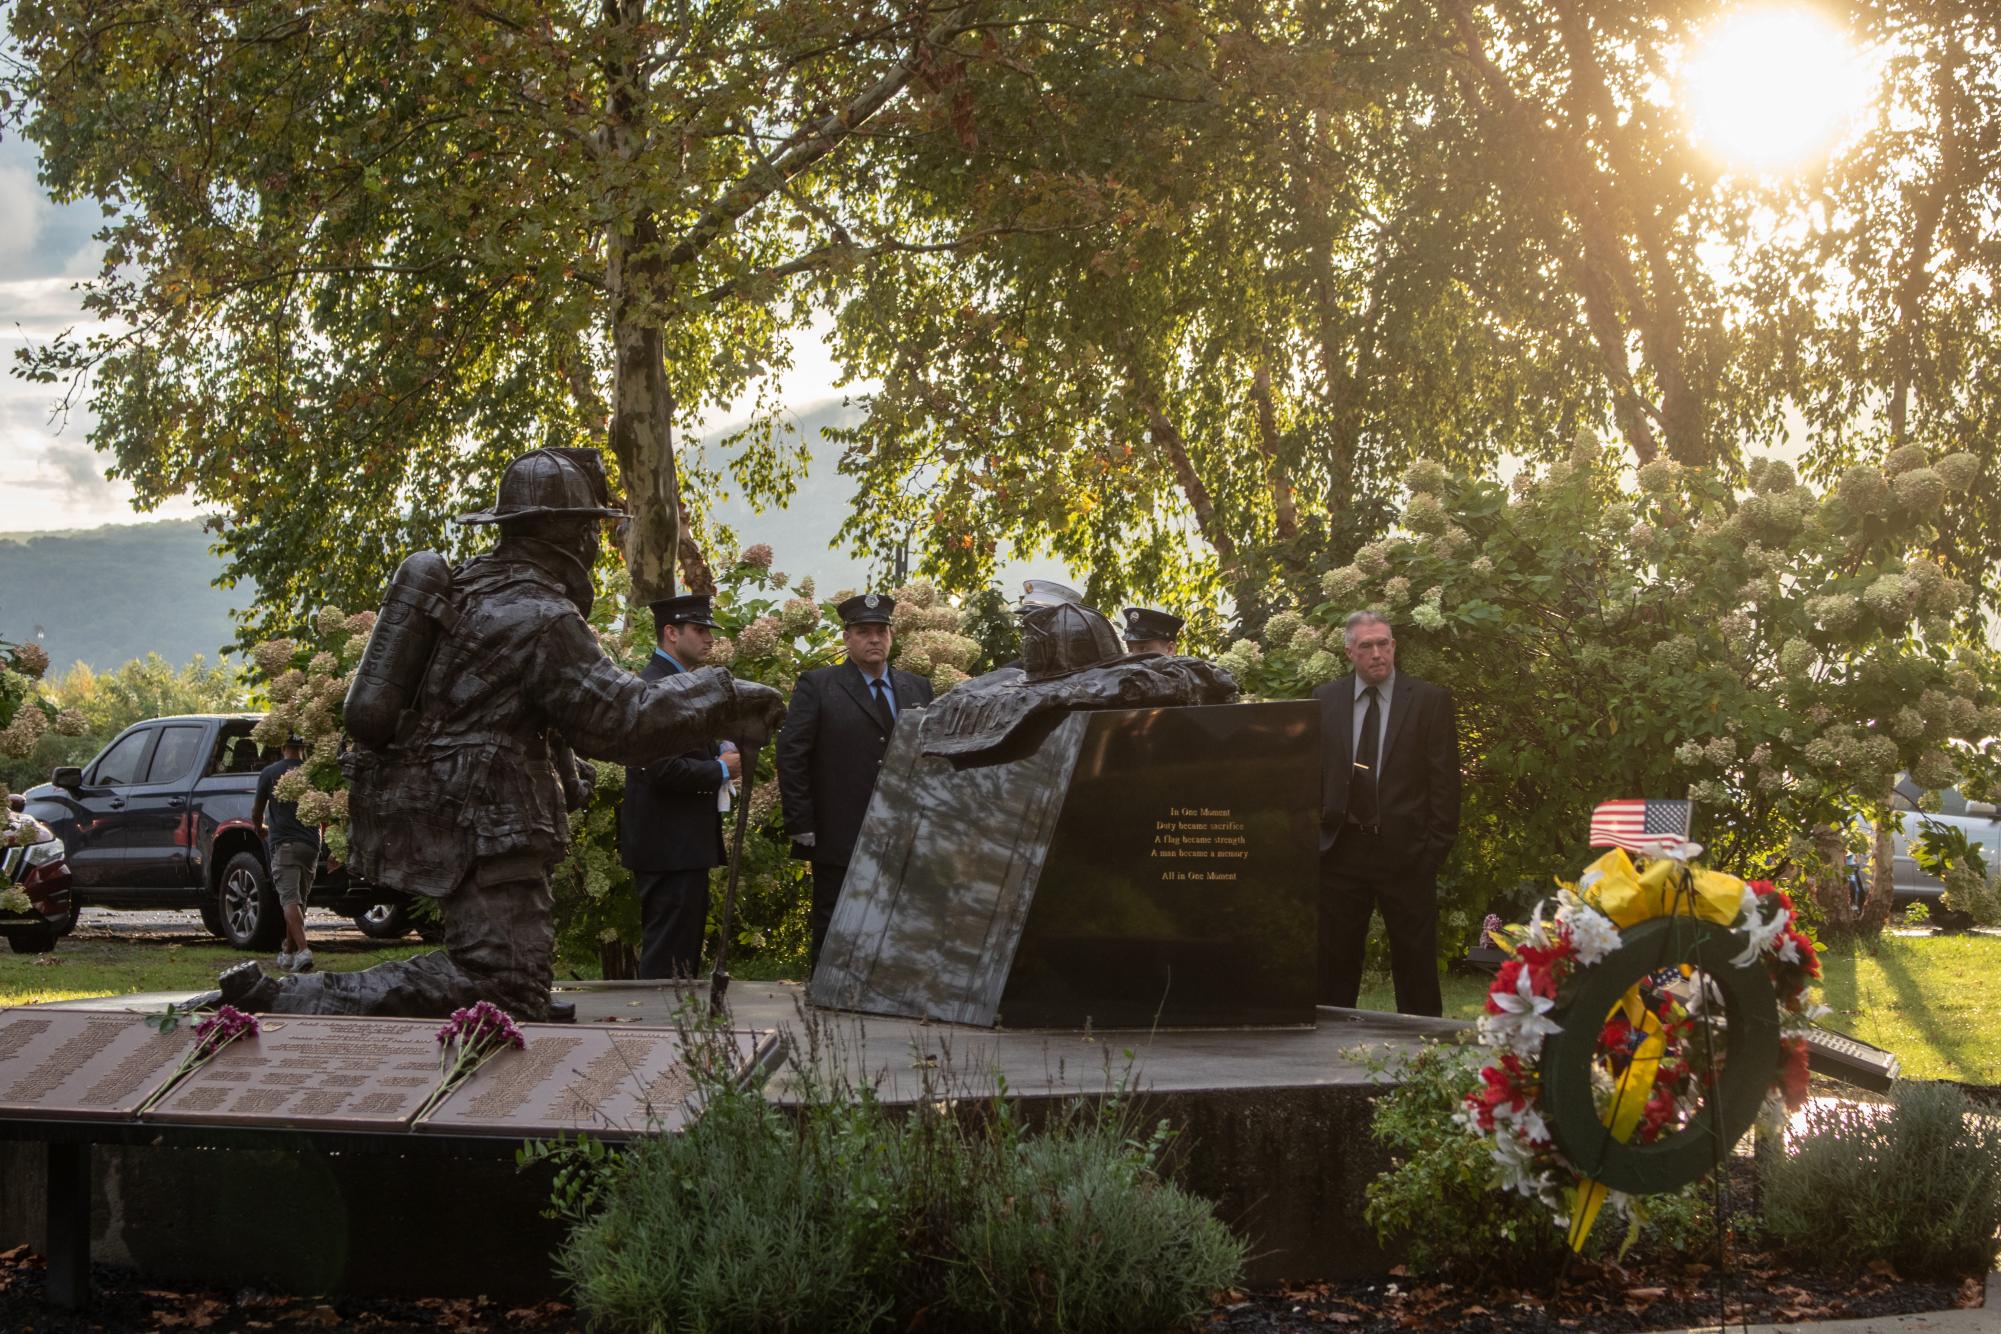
(305, 681)
(25, 715)
(1776, 652)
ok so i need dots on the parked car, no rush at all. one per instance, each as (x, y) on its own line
(161, 819)
(36, 907)
(1980, 821)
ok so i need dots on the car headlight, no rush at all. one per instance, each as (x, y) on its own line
(41, 854)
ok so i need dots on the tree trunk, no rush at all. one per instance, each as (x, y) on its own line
(642, 414)
(636, 283)
(1830, 887)
(1882, 880)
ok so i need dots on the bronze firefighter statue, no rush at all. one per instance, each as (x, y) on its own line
(479, 687)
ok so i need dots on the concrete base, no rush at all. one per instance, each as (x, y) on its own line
(1273, 1122)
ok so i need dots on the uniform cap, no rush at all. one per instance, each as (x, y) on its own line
(1145, 623)
(867, 609)
(687, 609)
(1046, 593)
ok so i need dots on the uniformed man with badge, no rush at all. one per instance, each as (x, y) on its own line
(670, 825)
(1148, 630)
(836, 731)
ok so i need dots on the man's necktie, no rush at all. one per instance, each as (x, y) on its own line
(1362, 782)
(882, 709)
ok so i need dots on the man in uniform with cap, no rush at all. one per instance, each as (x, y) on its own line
(465, 801)
(832, 744)
(670, 825)
(1150, 631)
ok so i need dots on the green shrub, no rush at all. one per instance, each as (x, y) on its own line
(1917, 1183)
(1439, 1204)
(1076, 1232)
(844, 1214)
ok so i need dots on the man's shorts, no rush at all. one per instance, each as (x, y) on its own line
(292, 866)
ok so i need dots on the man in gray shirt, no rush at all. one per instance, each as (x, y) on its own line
(293, 852)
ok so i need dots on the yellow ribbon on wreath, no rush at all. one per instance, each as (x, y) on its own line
(1615, 888)
(1628, 895)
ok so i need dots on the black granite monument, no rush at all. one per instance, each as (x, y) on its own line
(1118, 868)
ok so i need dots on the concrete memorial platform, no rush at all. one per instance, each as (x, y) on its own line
(1124, 868)
(292, 1155)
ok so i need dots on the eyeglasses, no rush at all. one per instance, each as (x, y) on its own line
(1374, 645)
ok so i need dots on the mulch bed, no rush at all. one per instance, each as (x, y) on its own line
(1593, 1298)
(122, 1300)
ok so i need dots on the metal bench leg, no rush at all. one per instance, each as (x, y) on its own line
(69, 1226)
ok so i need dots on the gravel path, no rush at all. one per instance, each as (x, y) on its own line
(185, 924)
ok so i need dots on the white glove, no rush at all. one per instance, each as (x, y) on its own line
(804, 840)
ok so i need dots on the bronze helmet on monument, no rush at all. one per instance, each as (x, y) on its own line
(551, 483)
(1060, 638)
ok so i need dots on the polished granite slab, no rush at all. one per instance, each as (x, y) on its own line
(1121, 868)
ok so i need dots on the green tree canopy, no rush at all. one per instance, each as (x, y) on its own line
(360, 253)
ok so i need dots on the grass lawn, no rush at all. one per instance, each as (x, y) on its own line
(1930, 999)
(79, 968)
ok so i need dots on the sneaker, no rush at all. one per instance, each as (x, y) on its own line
(302, 962)
(285, 958)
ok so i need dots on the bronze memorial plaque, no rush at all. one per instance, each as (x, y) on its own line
(82, 1063)
(608, 1082)
(314, 1071)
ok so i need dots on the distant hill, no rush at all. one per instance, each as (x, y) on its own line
(107, 595)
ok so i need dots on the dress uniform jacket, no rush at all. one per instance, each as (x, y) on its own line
(828, 753)
(668, 820)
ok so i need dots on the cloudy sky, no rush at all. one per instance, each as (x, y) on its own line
(49, 475)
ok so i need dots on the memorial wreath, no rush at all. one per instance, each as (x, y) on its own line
(1642, 1020)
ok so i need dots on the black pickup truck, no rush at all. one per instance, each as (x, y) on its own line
(161, 819)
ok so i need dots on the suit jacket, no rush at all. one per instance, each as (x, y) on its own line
(668, 820)
(828, 753)
(1417, 786)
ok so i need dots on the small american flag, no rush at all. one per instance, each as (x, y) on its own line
(1639, 826)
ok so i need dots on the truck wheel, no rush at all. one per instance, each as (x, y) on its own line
(385, 921)
(31, 939)
(247, 905)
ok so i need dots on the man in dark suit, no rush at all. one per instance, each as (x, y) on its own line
(670, 825)
(1389, 811)
(836, 730)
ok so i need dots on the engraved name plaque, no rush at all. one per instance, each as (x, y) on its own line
(313, 1071)
(612, 1083)
(81, 1064)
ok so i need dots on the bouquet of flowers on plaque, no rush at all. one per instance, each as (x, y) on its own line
(467, 1041)
(1631, 994)
(212, 1034)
